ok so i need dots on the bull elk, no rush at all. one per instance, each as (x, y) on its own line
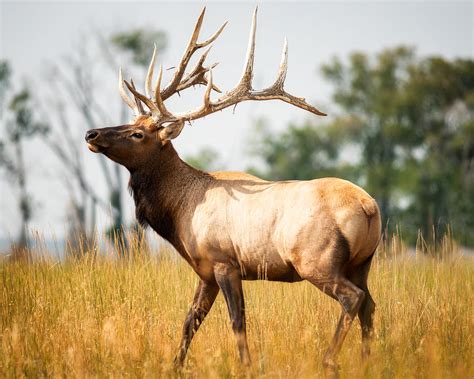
(228, 226)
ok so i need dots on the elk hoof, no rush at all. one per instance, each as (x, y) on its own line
(246, 362)
(365, 353)
(331, 368)
(178, 363)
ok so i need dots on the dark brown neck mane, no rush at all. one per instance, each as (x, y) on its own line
(164, 188)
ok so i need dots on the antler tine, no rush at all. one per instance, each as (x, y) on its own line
(149, 75)
(203, 57)
(214, 87)
(123, 93)
(247, 74)
(149, 103)
(197, 28)
(287, 98)
(277, 87)
(207, 94)
(196, 76)
(280, 80)
(191, 48)
(158, 98)
(212, 38)
(208, 69)
(137, 100)
(197, 79)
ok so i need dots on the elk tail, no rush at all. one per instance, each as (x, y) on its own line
(369, 206)
(371, 209)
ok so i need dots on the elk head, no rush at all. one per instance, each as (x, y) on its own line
(131, 145)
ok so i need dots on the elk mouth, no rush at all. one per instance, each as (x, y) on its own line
(96, 148)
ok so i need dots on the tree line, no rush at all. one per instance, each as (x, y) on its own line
(403, 130)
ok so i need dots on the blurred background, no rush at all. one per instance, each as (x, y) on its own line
(396, 79)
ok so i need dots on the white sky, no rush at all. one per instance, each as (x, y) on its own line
(35, 33)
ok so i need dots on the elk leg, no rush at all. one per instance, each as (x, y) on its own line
(230, 282)
(350, 297)
(366, 312)
(367, 308)
(203, 299)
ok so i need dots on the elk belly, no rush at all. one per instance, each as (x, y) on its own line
(234, 225)
(276, 228)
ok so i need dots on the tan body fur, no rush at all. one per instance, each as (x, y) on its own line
(272, 229)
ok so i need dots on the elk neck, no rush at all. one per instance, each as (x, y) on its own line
(166, 189)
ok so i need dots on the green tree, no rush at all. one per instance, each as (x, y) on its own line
(369, 92)
(403, 129)
(206, 159)
(138, 42)
(414, 118)
(439, 102)
(5, 74)
(300, 152)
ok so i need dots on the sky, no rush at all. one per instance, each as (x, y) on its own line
(35, 34)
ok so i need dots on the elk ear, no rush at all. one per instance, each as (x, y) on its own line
(171, 130)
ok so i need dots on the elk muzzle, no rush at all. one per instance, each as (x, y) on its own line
(93, 140)
(91, 135)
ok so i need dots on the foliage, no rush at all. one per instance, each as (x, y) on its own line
(404, 130)
(439, 103)
(371, 93)
(5, 74)
(23, 125)
(300, 152)
(99, 317)
(415, 121)
(206, 159)
(139, 43)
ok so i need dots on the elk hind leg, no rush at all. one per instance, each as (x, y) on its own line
(203, 299)
(367, 309)
(366, 313)
(350, 297)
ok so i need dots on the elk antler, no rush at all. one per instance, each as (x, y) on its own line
(201, 75)
(192, 47)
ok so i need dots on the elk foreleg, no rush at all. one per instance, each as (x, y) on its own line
(230, 282)
(203, 299)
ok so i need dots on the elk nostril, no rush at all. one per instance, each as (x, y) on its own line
(91, 135)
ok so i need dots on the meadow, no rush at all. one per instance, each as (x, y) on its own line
(99, 316)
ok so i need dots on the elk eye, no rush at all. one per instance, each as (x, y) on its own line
(136, 135)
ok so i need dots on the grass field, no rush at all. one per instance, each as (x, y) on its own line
(98, 317)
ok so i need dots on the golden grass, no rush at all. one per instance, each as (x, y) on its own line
(97, 317)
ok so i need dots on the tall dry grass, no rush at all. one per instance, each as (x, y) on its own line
(103, 317)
